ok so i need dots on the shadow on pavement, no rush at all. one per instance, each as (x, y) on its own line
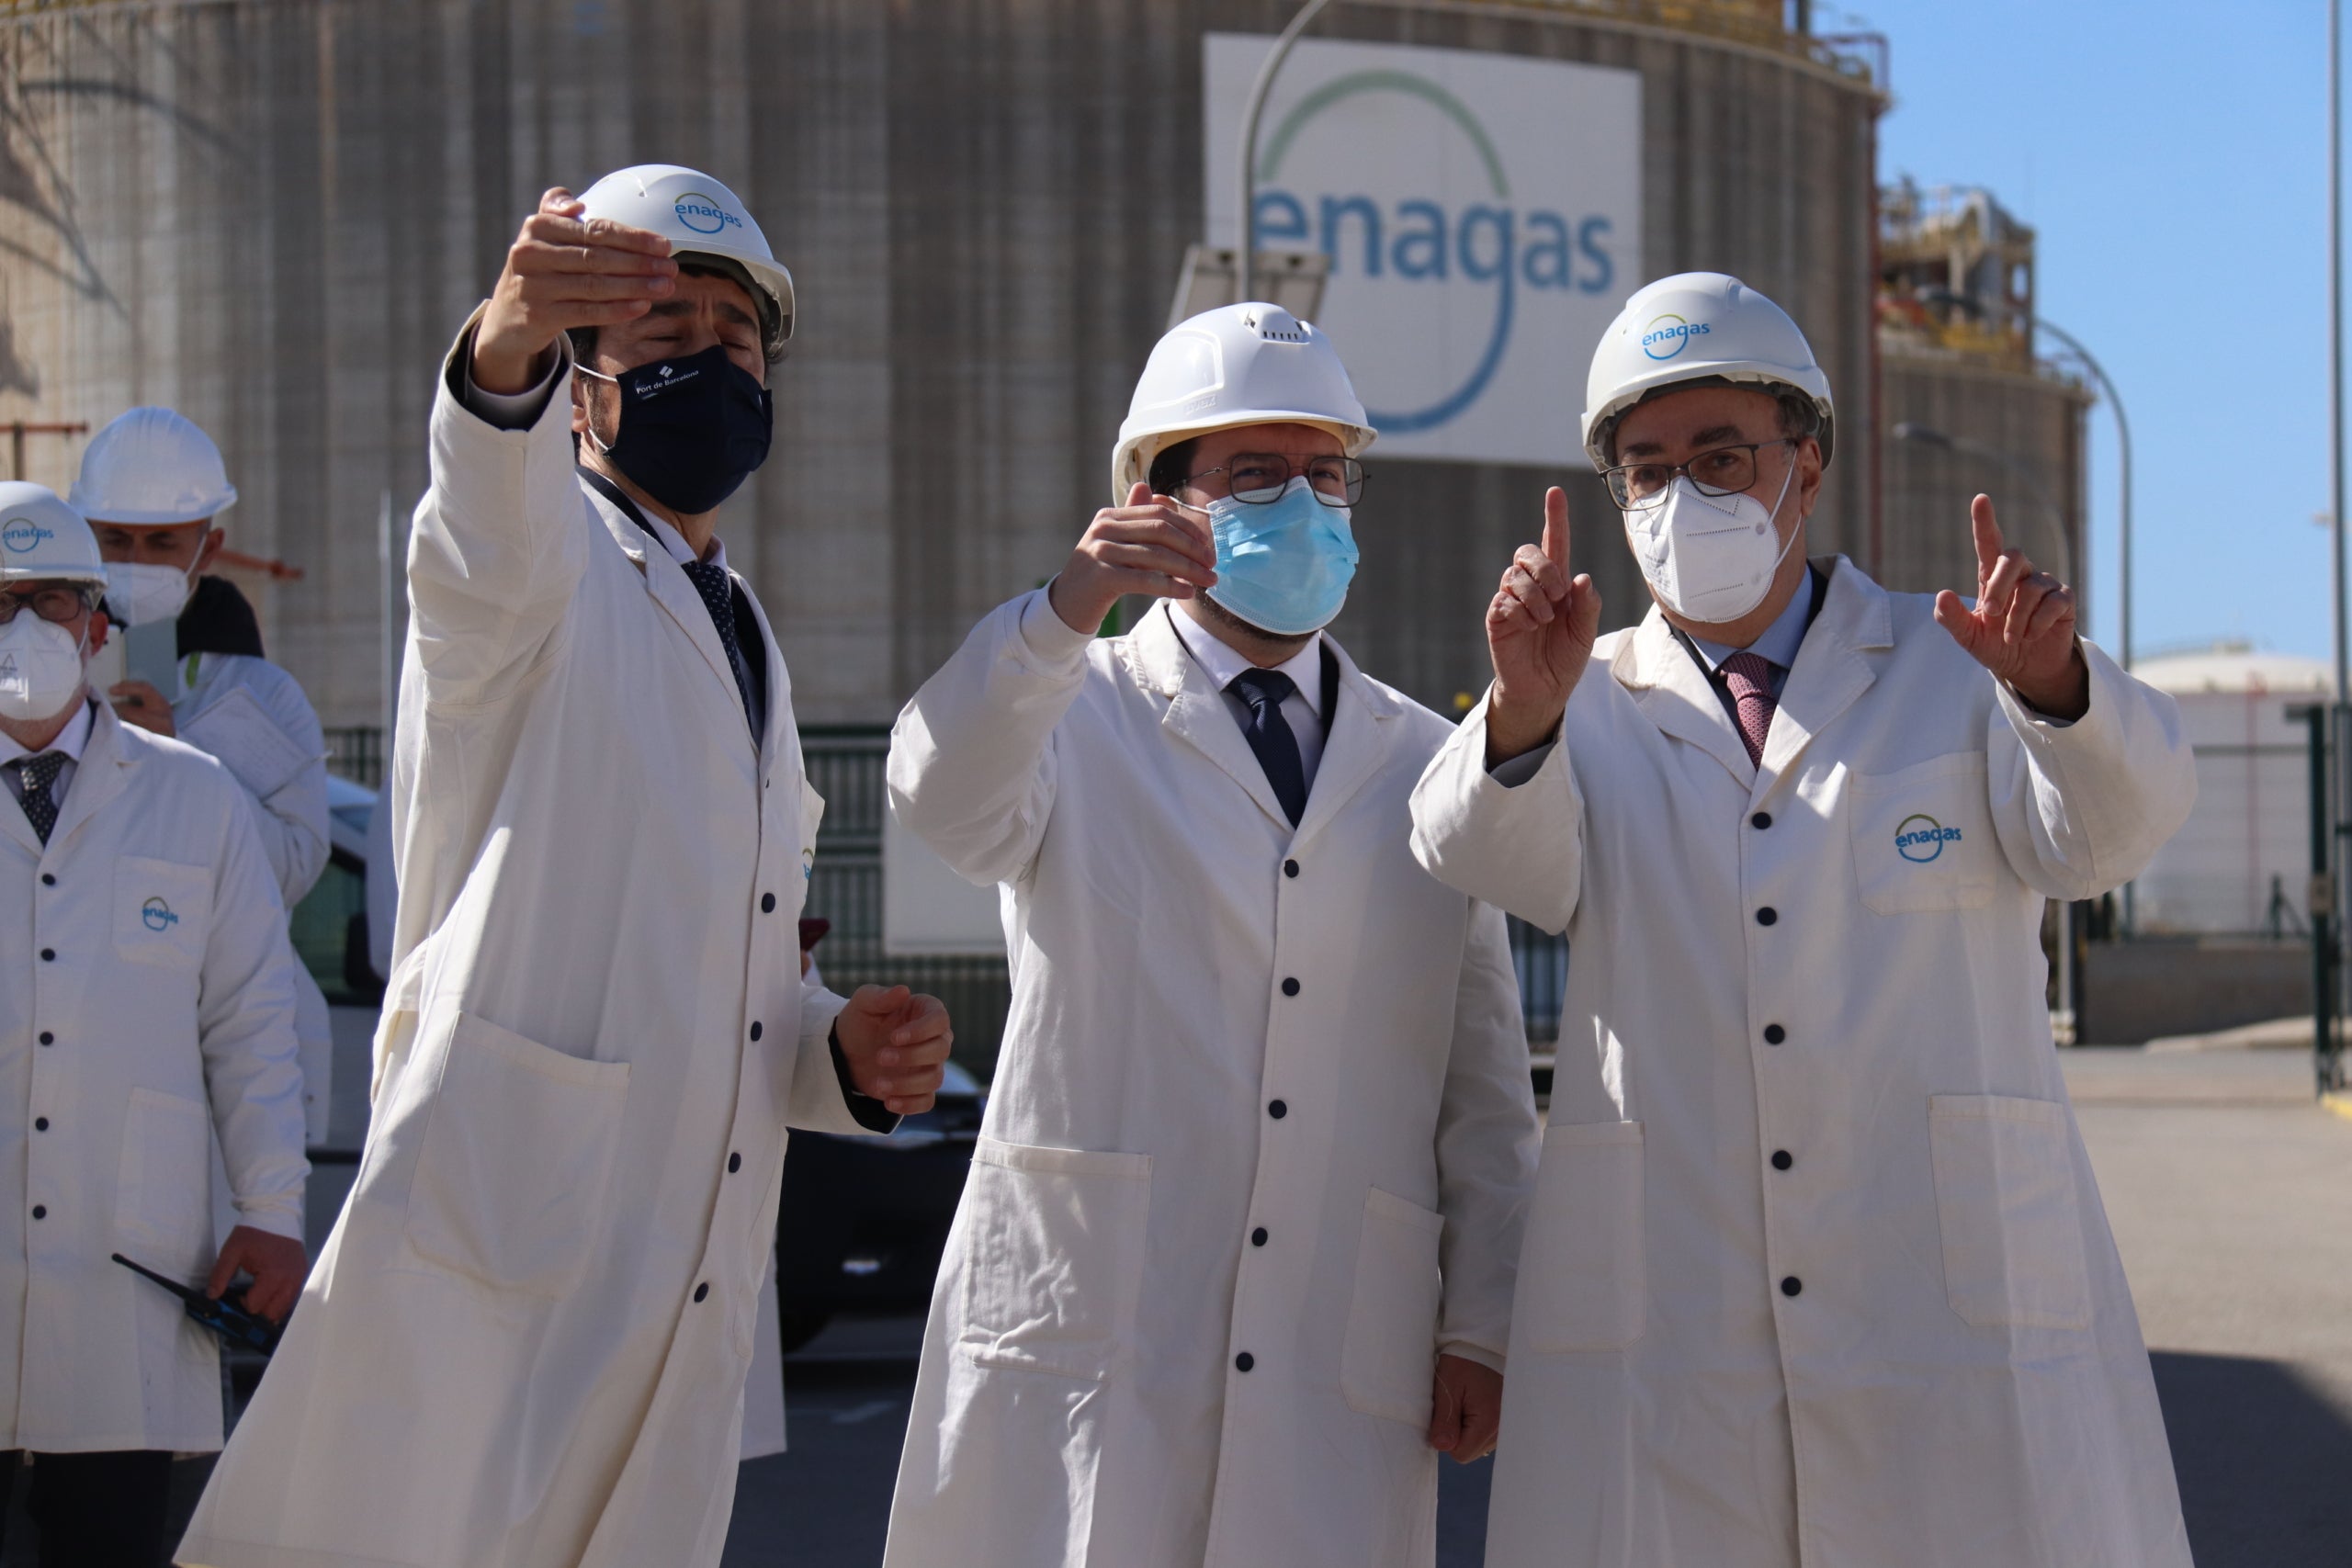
(2263, 1458)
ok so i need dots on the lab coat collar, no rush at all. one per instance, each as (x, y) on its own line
(99, 777)
(74, 741)
(1356, 738)
(677, 596)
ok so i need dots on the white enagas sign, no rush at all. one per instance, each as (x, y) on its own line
(1483, 217)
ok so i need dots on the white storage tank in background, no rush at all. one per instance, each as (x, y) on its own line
(2247, 845)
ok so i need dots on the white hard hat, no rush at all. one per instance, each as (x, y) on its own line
(699, 216)
(42, 539)
(152, 465)
(1697, 326)
(1254, 364)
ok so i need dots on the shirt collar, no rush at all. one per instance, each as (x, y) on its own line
(1221, 663)
(675, 543)
(70, 740)
(1780, 641)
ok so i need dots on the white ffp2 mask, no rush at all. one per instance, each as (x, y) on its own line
(40, 667)
(1710, 559)
(139, 592)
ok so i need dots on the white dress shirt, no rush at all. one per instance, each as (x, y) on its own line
(70, 740)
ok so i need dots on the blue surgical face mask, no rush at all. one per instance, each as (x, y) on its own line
(1284, 566)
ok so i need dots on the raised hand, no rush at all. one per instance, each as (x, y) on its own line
(564, 272)
(1149, 545)
(895, 1044)
(2022, 627)
(1540, 629)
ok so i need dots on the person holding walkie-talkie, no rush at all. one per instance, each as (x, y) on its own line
(146, 1007)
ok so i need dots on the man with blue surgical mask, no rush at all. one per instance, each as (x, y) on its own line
(1816, 1271)
(1233, 1267)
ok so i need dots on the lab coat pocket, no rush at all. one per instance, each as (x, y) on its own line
(1923, 836)
(2006, 1203)
(518, 1150)
(162, 1201)
(1053, 1257)
(1391, 1347)
(1584, 1275)
(161, 911)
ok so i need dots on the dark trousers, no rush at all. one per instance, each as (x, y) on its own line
(102, 1510)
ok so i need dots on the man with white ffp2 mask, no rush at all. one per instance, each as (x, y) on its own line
(1816, 1271)
(154, 485)
(146, 1009)
(1263, 1075)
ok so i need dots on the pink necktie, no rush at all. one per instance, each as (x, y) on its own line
(1749, 675)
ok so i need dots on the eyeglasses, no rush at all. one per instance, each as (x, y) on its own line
(62, 605)
(1719, 471)
(1260, 478)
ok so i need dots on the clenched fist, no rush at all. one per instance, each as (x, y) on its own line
(1149, 545)
(1541, 626)
(895, 1044)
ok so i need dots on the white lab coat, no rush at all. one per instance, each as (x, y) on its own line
(1959, 1381)
(253, 717)
(526, 1342)
(1079, 1401)
(168, 1010)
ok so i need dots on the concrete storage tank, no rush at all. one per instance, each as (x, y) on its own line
(274, 214)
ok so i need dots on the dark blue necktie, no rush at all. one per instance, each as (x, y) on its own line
(39, 773)
(717, 590)
(1270, 736)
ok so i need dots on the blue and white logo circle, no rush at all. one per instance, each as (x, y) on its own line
(703, 215)
(157, 916)
(1670, 334)
(22, 534)
(1919, 838)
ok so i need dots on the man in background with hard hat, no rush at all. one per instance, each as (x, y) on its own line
(152, 484)
(1817, 1270)
(1234, 1263)
(528, 1338)
(147, 1006)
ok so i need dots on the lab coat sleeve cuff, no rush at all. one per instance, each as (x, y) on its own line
(279, 1215)
(1514, 772)
(870, 1113)
(504, 410)
(1490, 1360)
(1516, 845)
(1046, 642)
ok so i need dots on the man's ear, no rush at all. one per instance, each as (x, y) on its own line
(1809, 473)
(579, 405)
(207, 551)
(99, 627)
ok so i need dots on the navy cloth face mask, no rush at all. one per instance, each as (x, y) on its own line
(692, 430)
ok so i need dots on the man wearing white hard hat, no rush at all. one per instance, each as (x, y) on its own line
(152, 485)
(1233, 1266)
(1816, 1270)
(146, 1009)
(527, 1341)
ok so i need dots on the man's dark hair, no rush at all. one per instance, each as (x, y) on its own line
(1799, 415)
(1171, 468)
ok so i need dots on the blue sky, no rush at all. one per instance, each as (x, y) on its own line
(2173, 158)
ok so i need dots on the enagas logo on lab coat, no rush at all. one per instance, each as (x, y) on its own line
(1919, 838)
(22, 534)
(157, 916)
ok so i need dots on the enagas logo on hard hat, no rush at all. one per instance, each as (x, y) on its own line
(22, 534)
(1670, 334)
(1919, 838)
(703, 215)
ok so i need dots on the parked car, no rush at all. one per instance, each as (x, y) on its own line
(330, 925)
(863, 1221)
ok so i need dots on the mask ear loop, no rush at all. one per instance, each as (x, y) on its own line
(579, 370)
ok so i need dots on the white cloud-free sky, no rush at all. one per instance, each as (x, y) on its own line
(2173, 158)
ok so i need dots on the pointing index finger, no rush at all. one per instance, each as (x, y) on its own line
(1556, 527)
(1987, 534)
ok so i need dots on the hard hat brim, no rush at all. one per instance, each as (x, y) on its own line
(1136, 452)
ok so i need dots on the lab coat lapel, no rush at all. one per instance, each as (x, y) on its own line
(1833, 668)
(669, 589)
(780, 731)
(1197, 715)
(1355, 741)
(97, 778)
(1674, 694)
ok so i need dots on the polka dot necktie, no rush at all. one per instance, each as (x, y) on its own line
(38, 774)
(1269, 733)
(717, 591)
(1749, 676)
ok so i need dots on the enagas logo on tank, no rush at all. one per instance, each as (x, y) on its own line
(21, 534)
(703, 215)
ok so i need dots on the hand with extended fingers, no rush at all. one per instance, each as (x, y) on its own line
(2022, 625)
(1149, 545)
(1540, 629)
(564, 271)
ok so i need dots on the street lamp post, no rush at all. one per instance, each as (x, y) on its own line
(1246, 185)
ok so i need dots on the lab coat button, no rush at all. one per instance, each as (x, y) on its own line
(734, 1163)
(755, 1029)
(47, 1038)
(1791, 1285)
(1767, 915)
(1244, 1361)
(1289, 868)
(1277, 1110)
(701, 1291)
(48, 956)
(40, 1123)
(1780, 1159)
(1774, 1034)
(1290, 986)
(1258, 1236)
(1761, 821)
(41, 1211)
(49, 879)
(767, 903)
